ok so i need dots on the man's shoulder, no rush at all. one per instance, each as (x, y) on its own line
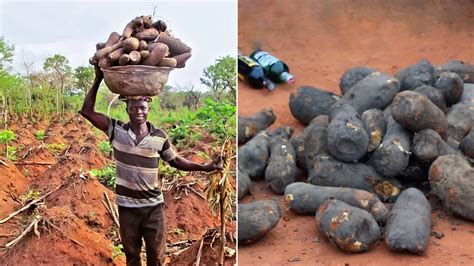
(158, 132)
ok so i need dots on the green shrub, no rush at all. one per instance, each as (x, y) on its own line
(105, 147)
(39, 135)
(106, 175)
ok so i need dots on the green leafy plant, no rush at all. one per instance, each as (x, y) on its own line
(11, 153)
(39, 135)
(6, 136)
(30, 195)
(106, 175)
(219, 117)
(56, 148)
(105, 147)
(117, 250)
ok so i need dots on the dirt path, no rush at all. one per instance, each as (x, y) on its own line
(319, 40)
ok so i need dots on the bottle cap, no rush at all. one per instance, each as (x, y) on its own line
(270, 85)
(287, 77)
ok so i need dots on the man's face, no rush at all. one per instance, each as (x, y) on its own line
(137, 111)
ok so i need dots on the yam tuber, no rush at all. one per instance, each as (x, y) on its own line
(130, 44)
(304, 198)
(167, 62)
(147, 35)
(307, 102)
(464, 70)
(375, 126)
(347, 139)
(452, 180)
(419, 74)
(106, 50)
(159, 51)
(467, 145)
(177, 47)
(129, 29)
(376, 91)
(253, 155)
(435, 96)
(249, 126)
(244, 184)
(115, 55)
(134, 57)
(392, 156)
(114, 38)
(256, 219)
(451, 86)
(298, 141)
(352, 76)
(124, 59)
(142, 45)
(333, 173)
(428, 145)
(144, 54)
(281, 169)
(181, 59)
(415, 112)
(351, 229)
(315, 144)
(461, 115)
(409, 224)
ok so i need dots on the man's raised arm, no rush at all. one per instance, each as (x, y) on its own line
(99, 120)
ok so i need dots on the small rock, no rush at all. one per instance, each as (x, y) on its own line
(286, 218)
(316, 239)
(438, 235)
(294, 260)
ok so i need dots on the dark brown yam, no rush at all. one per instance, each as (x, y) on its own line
(351, 229)
(177, 47)
(415, 112)
(435, 96)
(298, 141)
(147, 35)
(333, 173)
(352, 76)
(256, 219)
(104, 63)
(451, 85)
(392, 156)
(124, 59)
(467, 145)
(130, 44)
(428, 145)
(249, 126)
(347, 139)
(281, 168)
(376, 91)
(464, 70)
(181, 59)
(315, 144)
(106, 50)
(306, 103)
(253, 156)
(419, 74)
(114, 38)
(159, 25)
(244, 184)
(143, 45)
(115, 55)
(409, 224)
(415, 175)
(461, 116)
(167, 62)
(375, 126)
(135, 57)
(304, 198)
(452, 180)
(99, 46)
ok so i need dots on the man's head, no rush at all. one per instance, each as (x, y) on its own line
(137, 109)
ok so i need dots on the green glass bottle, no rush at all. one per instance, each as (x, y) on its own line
(276, 70)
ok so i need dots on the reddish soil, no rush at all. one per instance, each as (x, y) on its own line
(319, 40)
(85, 231)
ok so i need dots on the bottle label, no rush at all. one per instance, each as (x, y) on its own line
(265, 59)
(248, 61)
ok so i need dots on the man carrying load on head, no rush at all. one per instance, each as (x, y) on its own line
(138, 145)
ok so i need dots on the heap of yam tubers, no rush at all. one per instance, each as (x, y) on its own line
(143, 42)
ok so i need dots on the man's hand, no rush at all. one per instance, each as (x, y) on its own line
(99, 75)
(216, 164)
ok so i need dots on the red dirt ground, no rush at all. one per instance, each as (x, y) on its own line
(319, 40)
(77, 208)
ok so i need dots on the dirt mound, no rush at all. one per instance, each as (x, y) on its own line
(319, 40)
(74, 222)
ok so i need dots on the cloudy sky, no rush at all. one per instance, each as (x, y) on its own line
(40, 29)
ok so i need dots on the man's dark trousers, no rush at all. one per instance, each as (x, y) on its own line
(146, 222)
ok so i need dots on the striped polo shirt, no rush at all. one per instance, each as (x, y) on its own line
(137, 184)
